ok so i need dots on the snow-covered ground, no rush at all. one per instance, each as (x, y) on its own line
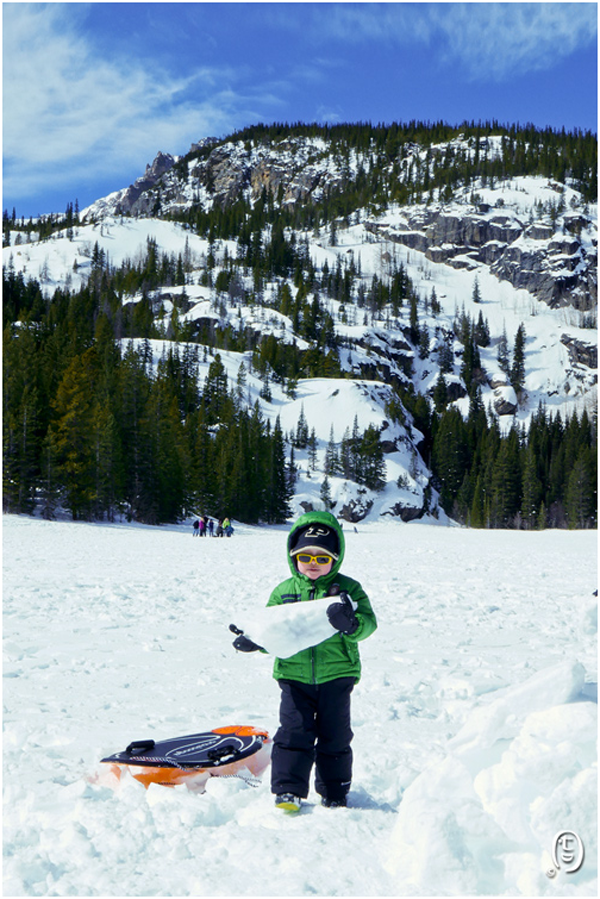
(475, 720)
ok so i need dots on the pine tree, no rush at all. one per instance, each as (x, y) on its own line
(440, 394)
(423, 342)
(259, 464)
(109, 471)
(450, 455)
(503, 353)
(201, 454)
(355, 457)
(580, 498)
(280, 488)
(241, 384)
(532, 490)
(133, 393)
(23, 419)
(482, 331)
(471, 364)
(517, 371)
(445, 354)
(215, 394)
(325, 494)
(69, 437)
(373, 466)
(332, 461)
(312, 450)
(302, 430)
(414, 320)
(292, 471)
(167, 492)
(265, 390)
(477, 511)
(506, 483)
(346, 455)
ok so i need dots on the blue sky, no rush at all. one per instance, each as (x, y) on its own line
(92, 91)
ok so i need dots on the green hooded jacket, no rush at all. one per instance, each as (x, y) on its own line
(338, 656)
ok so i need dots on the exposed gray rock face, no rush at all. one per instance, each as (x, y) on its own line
(355, 510)
(134, 198)
(555, 268)
(581, 353)
(225, 178)
(407, 513)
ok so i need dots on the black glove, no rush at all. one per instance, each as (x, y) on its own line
(241, 642)
(245, 644)
(341, 615)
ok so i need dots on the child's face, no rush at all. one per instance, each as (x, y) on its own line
(312, 569)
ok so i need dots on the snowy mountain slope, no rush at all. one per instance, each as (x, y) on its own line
(475, 725)
(518, 251)
(332, 405)
(535, 232)
(555, 373)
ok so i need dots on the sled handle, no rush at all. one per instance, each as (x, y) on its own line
(140, 746)
(222, 753)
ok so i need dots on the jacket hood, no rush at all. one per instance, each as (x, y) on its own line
(325, 518)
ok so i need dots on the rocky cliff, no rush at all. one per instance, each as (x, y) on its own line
(555, 265)
(549, 249)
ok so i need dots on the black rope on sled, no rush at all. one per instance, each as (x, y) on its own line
(256, 782)
(153, 759)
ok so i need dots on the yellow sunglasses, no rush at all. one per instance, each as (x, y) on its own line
(306, 559)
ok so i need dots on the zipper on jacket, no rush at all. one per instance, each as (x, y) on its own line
(311, 595)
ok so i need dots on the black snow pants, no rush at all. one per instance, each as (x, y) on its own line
(314, 728)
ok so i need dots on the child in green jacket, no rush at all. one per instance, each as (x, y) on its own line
(316, 683)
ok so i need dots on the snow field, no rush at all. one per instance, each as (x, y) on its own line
(475, 719)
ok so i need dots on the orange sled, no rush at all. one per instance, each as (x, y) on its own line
(233, 751)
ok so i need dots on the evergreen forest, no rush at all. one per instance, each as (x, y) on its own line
(94, 424)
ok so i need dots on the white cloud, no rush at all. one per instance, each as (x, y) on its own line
(487, 40)
(327, 114)
(68, 112)
(498, 40)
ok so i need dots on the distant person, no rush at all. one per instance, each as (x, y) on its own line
(211, 527)
(220, 527)
(196, 527)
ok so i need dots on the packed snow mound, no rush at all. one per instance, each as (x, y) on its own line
(502, 718)
(589, 616)
(479, 827)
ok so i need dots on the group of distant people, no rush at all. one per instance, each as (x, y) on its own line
(205, 526)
